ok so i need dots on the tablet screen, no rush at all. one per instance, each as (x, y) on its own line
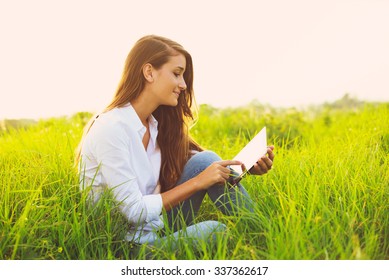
(253, 151)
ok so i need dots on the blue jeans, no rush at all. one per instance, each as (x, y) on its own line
(227, 199)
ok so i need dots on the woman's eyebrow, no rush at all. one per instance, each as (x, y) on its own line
(181, 68)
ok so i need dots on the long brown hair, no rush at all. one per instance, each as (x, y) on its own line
(173, 131)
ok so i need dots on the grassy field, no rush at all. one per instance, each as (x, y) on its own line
(326, 198)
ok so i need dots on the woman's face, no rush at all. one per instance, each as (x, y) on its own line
(168, 81)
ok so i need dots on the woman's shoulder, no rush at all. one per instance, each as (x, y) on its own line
(110, 117)
(109, 123)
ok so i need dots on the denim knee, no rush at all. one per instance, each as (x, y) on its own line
(204, 159)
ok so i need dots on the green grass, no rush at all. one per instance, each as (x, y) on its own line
(327, 196)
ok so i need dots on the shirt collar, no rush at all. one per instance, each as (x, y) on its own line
(153, 130)
(137, 124)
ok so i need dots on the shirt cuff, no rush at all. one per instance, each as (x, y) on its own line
(153, 204)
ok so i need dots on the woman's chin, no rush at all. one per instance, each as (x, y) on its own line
(173, 103)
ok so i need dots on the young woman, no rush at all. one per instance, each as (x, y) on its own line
(140, 148)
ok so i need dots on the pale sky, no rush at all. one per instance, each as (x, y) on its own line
(62, 57)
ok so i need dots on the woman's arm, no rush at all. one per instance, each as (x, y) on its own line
(110, 146)
(217, 173)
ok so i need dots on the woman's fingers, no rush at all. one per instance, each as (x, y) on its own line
(266, 162)
(225, 171)
(218, 172)
(270, 152)
(256, 170)
(226, 163)
(263, 165)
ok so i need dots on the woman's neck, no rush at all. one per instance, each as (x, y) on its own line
(144, 107)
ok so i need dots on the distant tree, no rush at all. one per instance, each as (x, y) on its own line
(346, 102)
(7, 124)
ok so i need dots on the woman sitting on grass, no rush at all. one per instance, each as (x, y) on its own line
(140, 148)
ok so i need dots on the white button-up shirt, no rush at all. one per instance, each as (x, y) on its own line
(113, 156)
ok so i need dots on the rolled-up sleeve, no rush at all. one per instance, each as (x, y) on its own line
(113, 153)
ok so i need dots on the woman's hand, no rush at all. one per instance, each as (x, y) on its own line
(217, 173)
(264, 164)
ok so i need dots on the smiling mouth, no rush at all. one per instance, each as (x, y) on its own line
(177, 94)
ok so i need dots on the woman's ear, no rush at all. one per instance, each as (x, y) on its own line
(148, 72)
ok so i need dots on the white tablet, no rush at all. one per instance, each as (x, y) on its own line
(253, 151)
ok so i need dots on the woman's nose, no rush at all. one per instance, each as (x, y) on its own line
(182, 85)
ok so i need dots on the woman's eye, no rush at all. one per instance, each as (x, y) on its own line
(176, 74)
